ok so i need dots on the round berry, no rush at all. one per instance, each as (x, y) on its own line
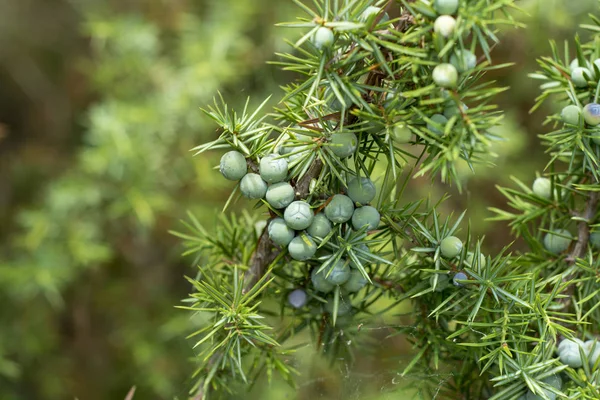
(280, 195)
(297, 298)
(280, 233)
(445, 76)
(568, 352)
(591, 114)
(595, 239)
(273, 168)
(400, 134)
(253, 187)
(298, 215)
(445, 6)
(443, 281)
(356, 282)
(323, 38)
(451, 246)
(339, 209)
(463, 60)
(344, 307)
(339, 273)
(438, 121)
(444, 25)
(571, 114)
(557, 241)
(452, 110)
(302, 247)
(461, 276)
(366, 215)
(575, 64)
(542, 187)
(470, 260)
(361, 190)
(343, 144)
(580, 76)
(320, 226)
(233, 165)
(592, 348)
(319, 282)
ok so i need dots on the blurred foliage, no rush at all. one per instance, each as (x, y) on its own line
(98, 108)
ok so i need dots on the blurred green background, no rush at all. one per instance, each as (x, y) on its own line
(99, 106)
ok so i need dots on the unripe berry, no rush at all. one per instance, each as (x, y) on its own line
(444, 25)
(591, 114)
(273, 168)
(400, 134)
(320, 226)
(542, 187)
(463, 60)
(233, 165)
(445, 76)
(339, 274)
(461, 276)
(339, 209)
(344, 307)
(595, 239)
(280, 233)
(323, 38)
(571, 114)
(580, 76)
(253, 187)
(280, 195)
(366, 215)
(557, 241)
(568, 353)
(356, 282)
(319, 282)
(438, 119)
(470, 260)
(452, 110)
(298, 215)
(302, 247)
(361, 190)
(451, 246)
(575, 64)
(443, 281)
(297, 298)
(445, 6)
(343, 144)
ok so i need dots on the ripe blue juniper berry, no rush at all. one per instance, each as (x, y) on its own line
(325, 170)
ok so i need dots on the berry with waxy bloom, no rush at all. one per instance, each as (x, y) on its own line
(542, 187)
(361, 190)
(339, 273)
(343, 144)
(580, 76)
(568, 352)
(320, 226)
(463, 60)
(571, 114)
(319, 282)
(233, 165)
(298, 215)
(451, 246)
(253, 187)
(557, 241)
(356, 282)
(339, 209)
(445, 76)
(297, 298)
(280, 195)
(279, 232)
(461, 276)
(438, 123)
(445, 6)
(273, 168)
(591, 114)
(444, 25)
(366, 215)
(302, 247)
(323, 38)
